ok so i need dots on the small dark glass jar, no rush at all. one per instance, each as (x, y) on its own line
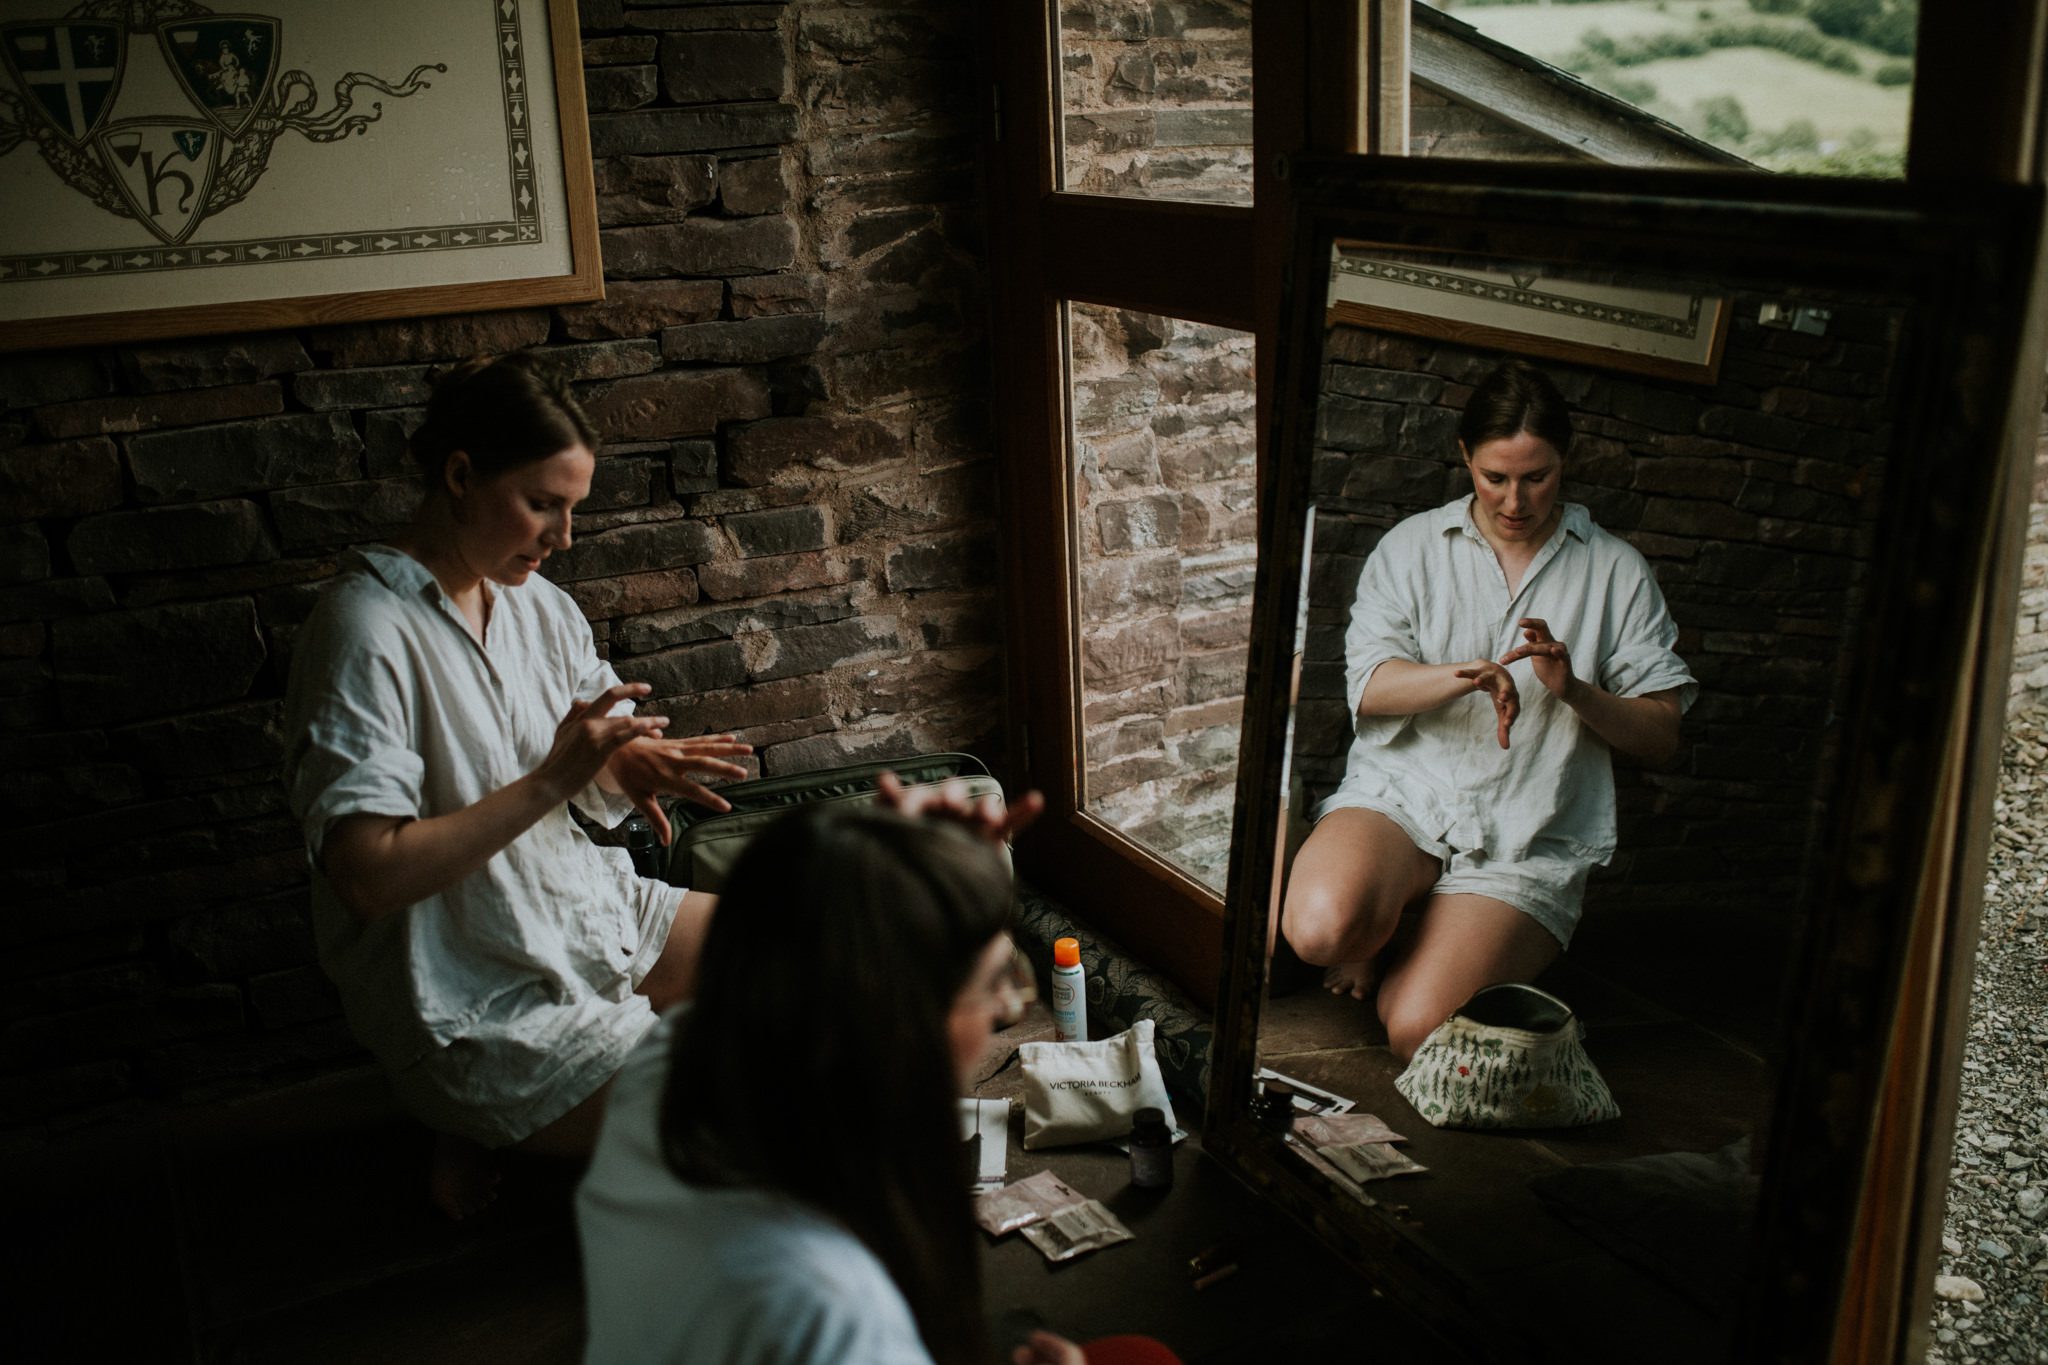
(1273, 1108)
(643, 845)
(1151, 1150)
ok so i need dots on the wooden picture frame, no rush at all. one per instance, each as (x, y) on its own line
(1830, 1235)
(1674, 336)
(463, 126)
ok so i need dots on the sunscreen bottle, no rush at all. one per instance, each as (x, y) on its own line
(1069, 994)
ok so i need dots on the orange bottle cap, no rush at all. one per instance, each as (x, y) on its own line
(1066, 952)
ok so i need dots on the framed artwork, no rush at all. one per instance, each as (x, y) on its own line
(185, 171)
(1672, 334)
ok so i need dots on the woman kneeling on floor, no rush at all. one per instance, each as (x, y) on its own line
(1501, 648)
(446, 708)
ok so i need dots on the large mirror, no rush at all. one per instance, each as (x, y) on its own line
(1737, 458)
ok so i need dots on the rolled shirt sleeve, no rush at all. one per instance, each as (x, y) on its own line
(1644, 657)
(349, 753)
(1381, 628)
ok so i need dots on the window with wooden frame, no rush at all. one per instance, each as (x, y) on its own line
(1127, 154)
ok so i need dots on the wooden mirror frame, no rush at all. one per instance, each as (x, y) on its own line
(1964, 263)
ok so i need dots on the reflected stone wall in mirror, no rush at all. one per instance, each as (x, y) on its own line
(1753, 499)
(1166, 538)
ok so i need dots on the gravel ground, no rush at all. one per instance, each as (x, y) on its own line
(1991, 1299)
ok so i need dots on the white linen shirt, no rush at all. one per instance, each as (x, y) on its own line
(394, 708)
(1433, 592)
(678, 1273)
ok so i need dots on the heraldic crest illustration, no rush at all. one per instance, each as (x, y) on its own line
(168, 169)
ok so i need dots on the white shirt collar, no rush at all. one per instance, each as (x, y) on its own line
(1456, 515)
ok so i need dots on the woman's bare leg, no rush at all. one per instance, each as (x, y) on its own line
(673, 977)
(572, 1135)
(1346, 891)
(463, 1180)
(1462, 944)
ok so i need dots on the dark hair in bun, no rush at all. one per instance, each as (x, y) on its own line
(1515, 397)
(503, 412)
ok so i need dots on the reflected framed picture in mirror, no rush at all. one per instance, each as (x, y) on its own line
(1622, 689)
(1526, 311)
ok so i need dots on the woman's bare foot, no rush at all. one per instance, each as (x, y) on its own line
(463, 1179)
(1355, 979)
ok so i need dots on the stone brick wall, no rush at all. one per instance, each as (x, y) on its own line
(791, 532)
(1754, 502)
(1167, 534)
(1156, 99)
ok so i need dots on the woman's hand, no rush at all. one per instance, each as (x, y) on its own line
(1043, 1348)
(1489, 677)
(1553, 661)
(588, 737)
(948, 800)
(1645, 727)
(646, 769)
(380, 864)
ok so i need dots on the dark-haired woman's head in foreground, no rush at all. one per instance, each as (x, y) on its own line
(848, 974)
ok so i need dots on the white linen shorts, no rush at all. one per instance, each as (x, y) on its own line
(1548, 884)
(533, 1055)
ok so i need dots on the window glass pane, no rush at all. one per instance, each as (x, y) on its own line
(1818, 87)
(1166, 536)
(1156, 99)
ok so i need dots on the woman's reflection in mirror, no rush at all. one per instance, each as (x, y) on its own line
(1499, 647)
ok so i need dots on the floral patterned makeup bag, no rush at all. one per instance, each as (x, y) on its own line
(1511, 1057)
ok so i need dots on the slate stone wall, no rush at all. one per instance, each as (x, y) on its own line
(1167, 531)
(1156, 98)
(791, 532)
(1754, 501)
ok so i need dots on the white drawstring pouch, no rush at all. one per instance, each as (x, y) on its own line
(1511, 1057)
(1089, 1092)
